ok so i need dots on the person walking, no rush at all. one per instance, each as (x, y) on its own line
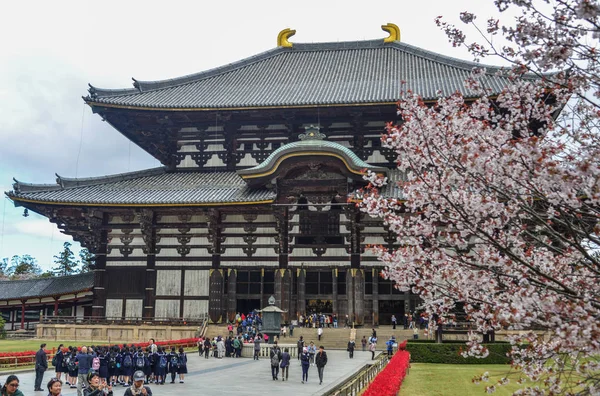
(372, 347)
(57, 362)
(390, 346)
(220, 348)
(41, 365)
(350, 349)
(321, 361)
(301, 346)
(84, 364)
(394, 322)
(320, 333)
(312, 349)
(275, 359)
(173, 359)
(182, 371)
(285, 365)
(305, 363)
(11, 387)
(363, 342)
(257, 342)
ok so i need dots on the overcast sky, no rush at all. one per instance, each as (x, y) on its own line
(51, 50)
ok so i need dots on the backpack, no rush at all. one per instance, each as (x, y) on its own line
(163, 361)
(96, 363)
(275, 358)
(174, 361)
(182, 359)
(139, 362)
(127, 361)
(71, 363)
(112, 362)
(55, 359)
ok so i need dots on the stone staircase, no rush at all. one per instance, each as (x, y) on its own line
(332, 338)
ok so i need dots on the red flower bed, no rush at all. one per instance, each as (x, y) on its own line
(389, 380)
(29, 356)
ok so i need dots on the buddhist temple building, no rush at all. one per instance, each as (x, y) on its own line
(259, 159)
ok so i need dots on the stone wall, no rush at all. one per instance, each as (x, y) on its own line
(113, 333)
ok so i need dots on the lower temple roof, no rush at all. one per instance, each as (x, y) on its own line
(152, 187)
(45, 287)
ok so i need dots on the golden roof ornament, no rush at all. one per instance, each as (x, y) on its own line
(283, 36)
(394, 32)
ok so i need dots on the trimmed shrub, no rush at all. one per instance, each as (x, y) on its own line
(449, 353)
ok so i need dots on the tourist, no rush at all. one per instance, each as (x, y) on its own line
(127, 365)
(415, 333)
(292, 329)
(206, 347)
(350, 349)
(11, 387)
(161, 365)
(372, 347)
(257, 342)
(394, 322)
(335, 321)
(275, 355)
(96, 386)
(321, 361)
(200, 345)
(312, 349)
(152, 345)
(390, 346)
(347, 322)
(148, 365)
(301, 346)
(305, 363)
(220, 348)
(57, 362)
(320, 333)
(182, 371)
(84, 364)
(72, 367)
(54, 387)
(285, 364)
(113, 362)
(41, 365)
(373, 333)
(138, 387)
(103, 369)
(363, 342)
(174, 363)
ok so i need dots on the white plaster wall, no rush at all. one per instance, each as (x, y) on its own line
(166, 309)
(133, 308)
(249, 264)
(188, 148)
(308, 252)
(168, 282)
(376, 157)
(172, 252)
(114, 308)
(126, 263)
(196, 283)
(247, 160)
(374, 240)
(215, 161)
(197, 218)
(195, 309)
(309, 263)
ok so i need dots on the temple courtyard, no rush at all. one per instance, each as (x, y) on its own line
(229, 376)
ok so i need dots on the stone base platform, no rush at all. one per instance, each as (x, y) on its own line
(113, 333)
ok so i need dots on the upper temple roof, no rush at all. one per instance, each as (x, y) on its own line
(304, 75)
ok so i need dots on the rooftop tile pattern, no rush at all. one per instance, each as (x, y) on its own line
(21, 289)
(343, 73)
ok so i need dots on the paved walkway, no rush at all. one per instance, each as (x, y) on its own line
(241, 376)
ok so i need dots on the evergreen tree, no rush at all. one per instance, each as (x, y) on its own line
(87, 260)
(65, 260)
(24, 266)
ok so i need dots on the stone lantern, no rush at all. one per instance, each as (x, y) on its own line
(271, 319)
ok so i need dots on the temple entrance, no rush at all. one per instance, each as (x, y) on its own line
(319, 306)
(387, 308)
(247, 305)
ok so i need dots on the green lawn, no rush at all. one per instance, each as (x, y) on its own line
(34, 345)
(426, 379)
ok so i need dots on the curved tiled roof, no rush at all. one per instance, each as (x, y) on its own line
(46, 287)
(344, 73)
(151, 187)
(310, 147)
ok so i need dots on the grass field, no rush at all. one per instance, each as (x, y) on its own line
(34, 345)
(427, 379)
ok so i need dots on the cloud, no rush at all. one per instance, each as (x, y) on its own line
(39, 228)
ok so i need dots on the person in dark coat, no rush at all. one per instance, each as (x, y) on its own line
(96, 386)
(173, 359)
(148, 371)
(127, 366)
(161, 366)
(275, 360)
(207, 347)
(285, 364)
(351, 346)
(320, 362)
(41, 365)
(305, 363)
(103, 371)
(57, 361)
(182, 365)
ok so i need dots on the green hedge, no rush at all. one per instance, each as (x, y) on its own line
(426, 352)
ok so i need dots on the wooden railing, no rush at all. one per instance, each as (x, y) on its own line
(359, 381)
(103, 320)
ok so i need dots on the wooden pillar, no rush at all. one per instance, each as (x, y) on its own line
(355, 247)
(350, 294)
(215, 236)
(231, 294)
(215, 295)
(283, 285)
(375, 297)
(148, 228)
(22, 314)
(100, 279)
(56, 306)
(282, 221)
(302, 291)
(334, 303)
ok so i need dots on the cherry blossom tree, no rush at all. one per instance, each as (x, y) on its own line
(501, 195)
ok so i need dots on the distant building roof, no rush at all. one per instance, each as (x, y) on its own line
(152, 187)
(46, 287)
(304, 75)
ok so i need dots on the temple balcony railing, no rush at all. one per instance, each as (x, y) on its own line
(136, 321)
